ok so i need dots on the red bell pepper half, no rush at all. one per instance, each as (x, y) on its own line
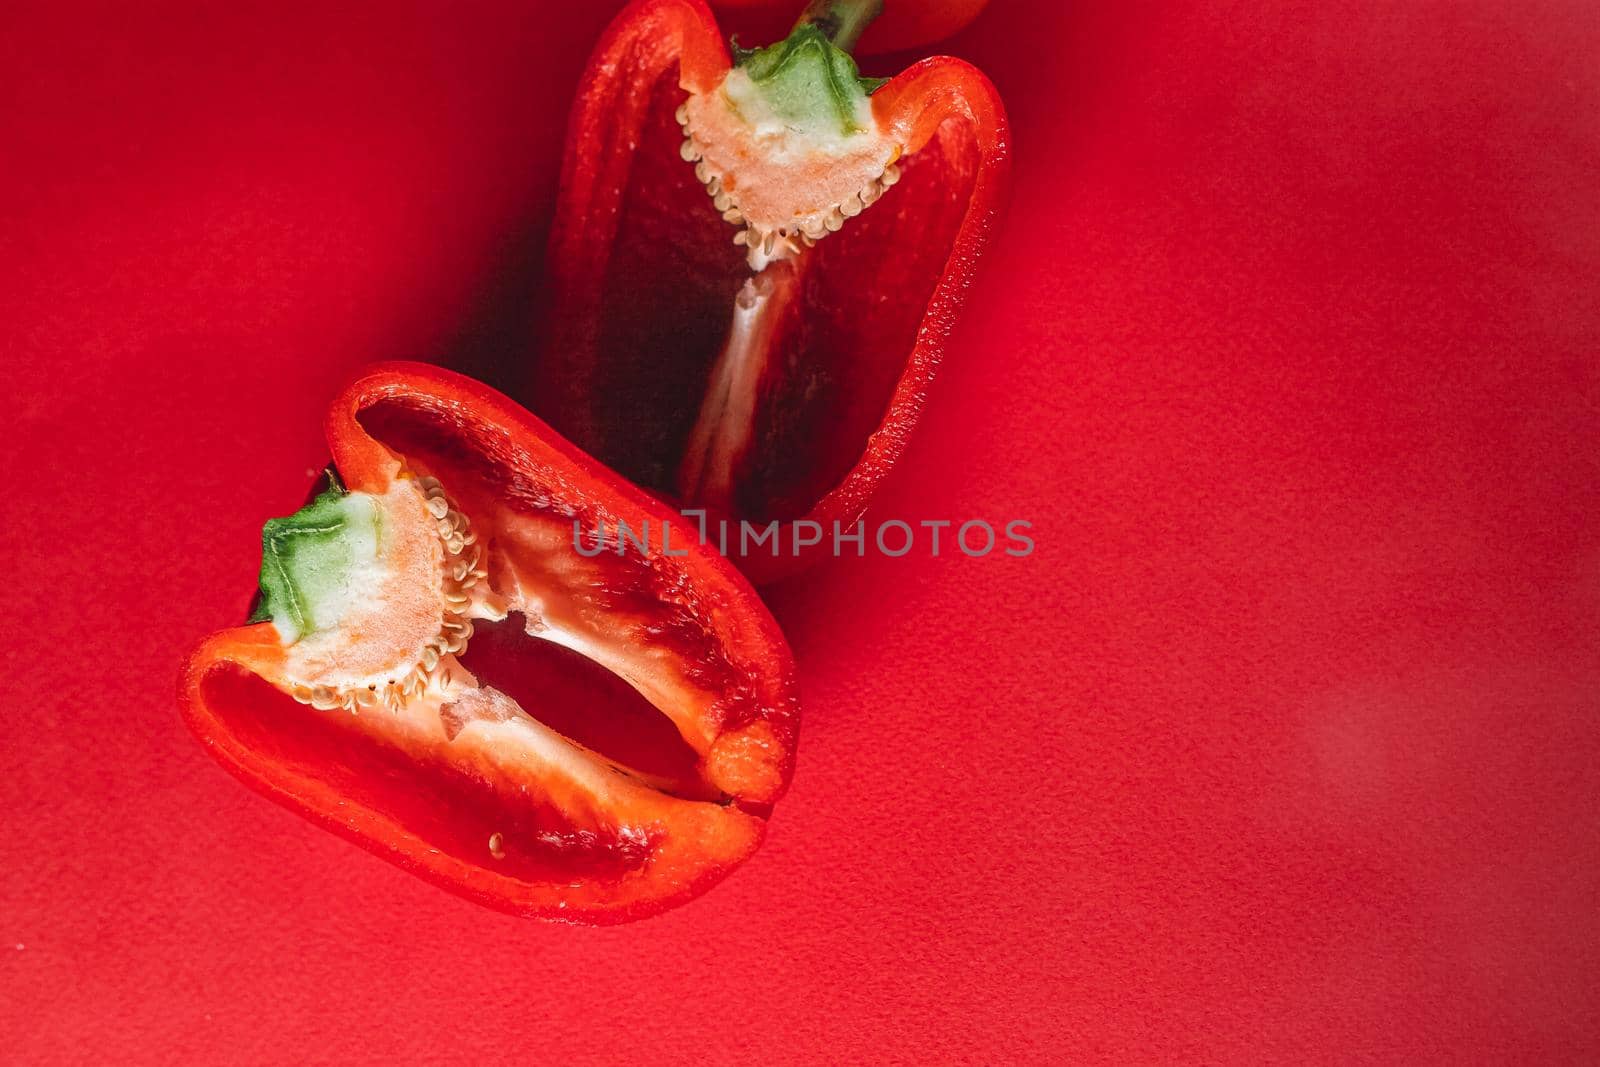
(756, 261)
(357, 702)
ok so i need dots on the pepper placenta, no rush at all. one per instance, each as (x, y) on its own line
(356, 701)
(756, 261)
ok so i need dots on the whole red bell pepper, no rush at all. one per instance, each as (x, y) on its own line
(756, 261)
(356, 701)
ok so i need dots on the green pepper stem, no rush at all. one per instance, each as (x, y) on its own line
(841, 21)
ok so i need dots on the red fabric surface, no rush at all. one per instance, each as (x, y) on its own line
(1282, 746)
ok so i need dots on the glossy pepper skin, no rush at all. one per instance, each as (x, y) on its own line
(643, 272)
(457, 783)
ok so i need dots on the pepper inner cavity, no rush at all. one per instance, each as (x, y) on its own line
(720, 439)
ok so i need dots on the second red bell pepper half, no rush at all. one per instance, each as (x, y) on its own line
(756, 261)
(467, 663)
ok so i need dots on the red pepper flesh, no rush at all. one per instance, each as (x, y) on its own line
(643, 275)
(482, 799)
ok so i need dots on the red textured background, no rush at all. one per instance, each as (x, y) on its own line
(1283, 746)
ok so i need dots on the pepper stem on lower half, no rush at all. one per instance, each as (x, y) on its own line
(841, 21)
